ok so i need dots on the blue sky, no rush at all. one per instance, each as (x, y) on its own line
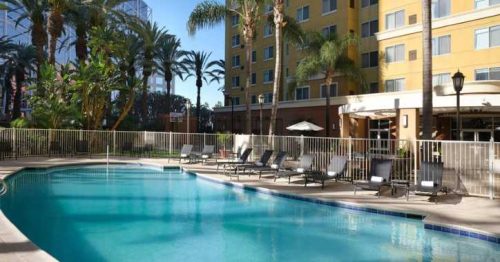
(173, 15)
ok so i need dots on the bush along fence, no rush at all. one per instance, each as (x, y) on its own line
(468, 165)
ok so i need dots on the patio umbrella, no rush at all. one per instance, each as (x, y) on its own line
(305, 127)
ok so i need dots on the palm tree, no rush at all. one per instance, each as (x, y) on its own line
(427, 70)
(327, 55)
(210, 13)
(199, 66)
(170, 63)
(35, 12)
(151, 36)
(55, 25)
(6, 47)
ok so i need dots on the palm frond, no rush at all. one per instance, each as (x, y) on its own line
(206, 14)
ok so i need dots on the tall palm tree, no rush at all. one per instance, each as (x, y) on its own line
(170, 62)
(210, 13)
(55, 25)
(35, 13)
(200, 67)
(151, 36)
(6, 48)
(427, 69)
(327, 55)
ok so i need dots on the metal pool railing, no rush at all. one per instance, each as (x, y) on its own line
(468, 165)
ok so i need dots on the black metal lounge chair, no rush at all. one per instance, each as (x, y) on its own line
(82, 147)
(305, 166)
(55, 148)
(276, 165)
(380, 175)
(207, 153)
(262, 162)
(430, 179)
(185, 152)
(335, 170)
(231, 164)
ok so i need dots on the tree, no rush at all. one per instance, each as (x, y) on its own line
(55, 25)
(327, 55)
(200, 67)
(170, 63)
(210, 13)
(427, 69)
(151, 35)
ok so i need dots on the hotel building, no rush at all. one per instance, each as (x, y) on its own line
(466, 36)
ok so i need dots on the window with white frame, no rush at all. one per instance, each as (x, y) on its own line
(441, 45)
(302, 14)
(492, 73)
(487, 37)
(235, 81)
(253, 80)
(268, 30)
(329, 6)
(395, 53)
(365, 3)
(268, 98)
(395, 85)
(235, 61)
(333, 90)
(441, 79)
(235, 20)
(268, 52)
(329, 30)
(440, 8)
(369, 28)
(235, 40)
(302, 93)
(254, 56)
(478, 4)
(369, 59)
(236, 100)
(395, 19)
(268, 76)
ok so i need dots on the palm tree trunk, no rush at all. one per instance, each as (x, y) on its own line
(16, 111)
(126, 109)
(55, 28)
(278, 25)
(327, 106)
(199, 83)
(81, 43)
(427, 69)
(8, 92)
(39, 40)
(144, 102)
(248, 71)
(169, 87)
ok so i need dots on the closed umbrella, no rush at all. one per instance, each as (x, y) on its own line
(305, 127)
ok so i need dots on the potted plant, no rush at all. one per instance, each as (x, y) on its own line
(223, 139)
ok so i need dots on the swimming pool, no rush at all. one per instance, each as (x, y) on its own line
(134, 213)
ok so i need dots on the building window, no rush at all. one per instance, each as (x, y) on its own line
(268, 98)
(369, 59)
(395, 85)
(440, 8)
(235, 81)
(254, 56)
(369, 28)
(235, 61)
(329, 30)
(374, 87)
(303, 14)
(441, 45)
(235, 41)
(253, 81)
(333, 90)
(487, 37)
(488, 74)
(478, 4)
(395, 20)
(235, 20)
(268, 76)
(268, 30)
(254, 99)
(268, 53)
(365, 3)
(441, 79)
(329, 6)
(302, 93)
(236, 101)
(395, 53)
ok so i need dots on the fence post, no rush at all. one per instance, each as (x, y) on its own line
(252, 145)
(204, 138)
(170, 143)
(491, 159)
(14, 144)
(145, 136)
(415, 160)
(114, 142)
(301, 145)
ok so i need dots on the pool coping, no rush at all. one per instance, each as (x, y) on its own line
(430, 225)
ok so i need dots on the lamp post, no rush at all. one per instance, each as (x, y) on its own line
(228, 97)
(261, 102)
(188, 108)
(458, 84)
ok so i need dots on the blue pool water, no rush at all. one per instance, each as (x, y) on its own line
(132, 213)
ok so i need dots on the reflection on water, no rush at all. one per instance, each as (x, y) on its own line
(133, 213)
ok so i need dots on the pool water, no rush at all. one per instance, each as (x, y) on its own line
(133, 213)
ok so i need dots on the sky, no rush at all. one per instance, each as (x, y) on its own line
(173, 15)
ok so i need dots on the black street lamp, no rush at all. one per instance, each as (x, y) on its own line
(261, 102)
(458, 84)
(228, 97)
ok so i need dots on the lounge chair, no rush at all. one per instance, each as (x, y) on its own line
(276, 165)
(207, 153)
(335, 170)
(380, 175)
(262, 162)
(305, 165)
(430, 179)
(185, 152)
(231, 164)
(55, 148)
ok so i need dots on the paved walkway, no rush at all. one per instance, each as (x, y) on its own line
(471, 213)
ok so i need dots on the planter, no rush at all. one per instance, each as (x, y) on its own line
(224, 153)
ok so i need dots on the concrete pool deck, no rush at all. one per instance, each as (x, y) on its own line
(474, 214)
